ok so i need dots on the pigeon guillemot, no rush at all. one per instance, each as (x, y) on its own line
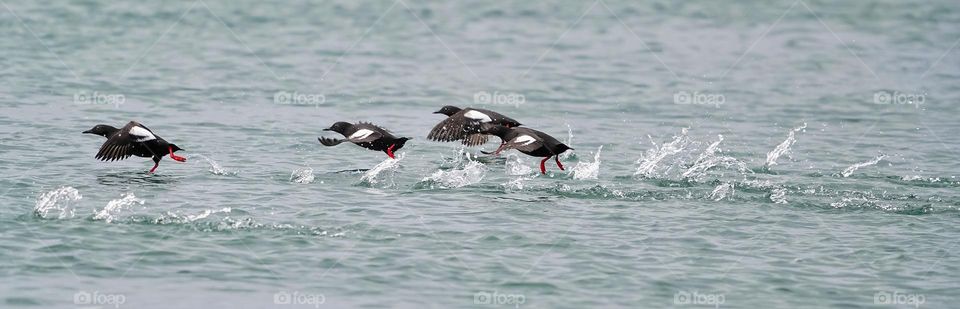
(528, 141)
(134, 139)
(366, 135)
(464, 124)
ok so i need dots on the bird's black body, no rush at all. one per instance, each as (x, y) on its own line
(365, 135)
(134, 139)
(528, 141)
(465, 124)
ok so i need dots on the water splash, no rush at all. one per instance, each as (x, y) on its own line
(60, 203)
(778, 196)
(515, 166)
(568, 142)
(215, 167)
(170, 217)
(784, 147)
(710, 158)
(471, 173)
(649, 160)
(588, 170)
(302, 175)
(853, 168)
(114, 207)
(372, 176)
(722, 191)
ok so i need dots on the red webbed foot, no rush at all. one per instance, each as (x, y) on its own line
(390, 151)
(176, 157)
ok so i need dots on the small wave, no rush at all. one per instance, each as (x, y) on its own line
(471, 173)
(59, 203)
(112, 210)
(373, 176)
(784, 147)
(588, 170)
(302, 175)
(853, 168)
(649, 160)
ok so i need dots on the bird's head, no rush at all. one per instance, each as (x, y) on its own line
(563, 147)
(400, 141)
(339, 127)
(511, 124)
(448, 110)
(102, 130)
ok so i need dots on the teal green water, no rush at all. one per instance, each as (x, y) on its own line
(757, 154)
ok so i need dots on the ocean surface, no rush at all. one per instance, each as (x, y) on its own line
(748, 154)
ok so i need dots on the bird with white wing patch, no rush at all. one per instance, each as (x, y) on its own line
(366, 135)
(464, 124)
(527, 141)
(134, 139)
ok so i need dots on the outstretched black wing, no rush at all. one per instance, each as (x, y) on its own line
(330, 141)
(121, 144)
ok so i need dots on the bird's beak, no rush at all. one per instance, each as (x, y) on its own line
(88, 132)
(438, 112)
(327, 129)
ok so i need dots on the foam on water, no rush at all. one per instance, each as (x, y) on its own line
(115, 207)
(784, 147)
(469, 174)
(651, 158)
(302, 175)
(59, 203)
(389, 165)
(588, 170)
(853, 168)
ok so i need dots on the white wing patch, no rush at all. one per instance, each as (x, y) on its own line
(477, 116)
(525, 140)
(360, 134)
(141, 134)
